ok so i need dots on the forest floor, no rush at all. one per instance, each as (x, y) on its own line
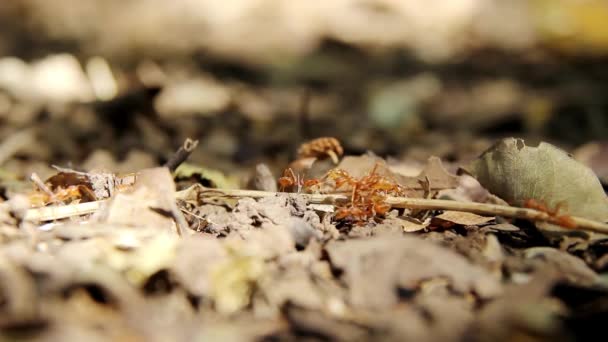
(168, 180)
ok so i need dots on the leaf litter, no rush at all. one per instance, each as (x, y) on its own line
(159, 264)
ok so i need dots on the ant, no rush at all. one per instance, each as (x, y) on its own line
(351, 212)
(290, 179)
(65, 195)
(562, 220)
(368, 194)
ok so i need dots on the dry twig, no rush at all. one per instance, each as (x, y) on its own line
(428, 204)
(40, 184)
(60, 212)
(52, 213)
(181, 155)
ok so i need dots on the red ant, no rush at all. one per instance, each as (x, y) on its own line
(290, 179)
(368, 194)
(562, 220)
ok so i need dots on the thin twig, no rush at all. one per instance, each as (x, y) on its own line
(60, 212)
(180, 221)
(493, 210)
(52, 213)
(40, 184)
(181, 155)
(428, 204)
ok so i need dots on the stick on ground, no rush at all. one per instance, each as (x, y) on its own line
(52, 213)
(430, 204)
(181, 155)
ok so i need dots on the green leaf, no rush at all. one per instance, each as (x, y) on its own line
(516, 172)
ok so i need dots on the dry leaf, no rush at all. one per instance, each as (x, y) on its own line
(503, 227)
(516, 172)
(195, 259)
(522, 309)
(464, 219)
(402, 224)
(149, 203)
(295, 285)
(468, 190)
(375, 268)
(438, 177)
(568, 266)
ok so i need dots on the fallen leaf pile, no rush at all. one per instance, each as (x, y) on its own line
(153, 264)
(279, 170)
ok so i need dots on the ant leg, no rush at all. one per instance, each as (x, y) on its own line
(561, 206)
(299, 182)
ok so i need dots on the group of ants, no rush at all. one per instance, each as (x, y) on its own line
(367, 199)
(368, 193)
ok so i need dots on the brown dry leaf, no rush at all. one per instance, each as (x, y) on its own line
(503, 227)
(566, 265)
(151, 202)
(195, 258)
(275, 224)
(67, 179)
(375, 268)
(452, 315)
(266, 243)
(516, 172)
(438, 176)
(464, 219)
(402, 224)
(468, 190)
(522, 310)
(296, 285)
(101, 184)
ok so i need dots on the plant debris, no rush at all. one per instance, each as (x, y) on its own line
(274, 255)
(321, 148)
(320, 171)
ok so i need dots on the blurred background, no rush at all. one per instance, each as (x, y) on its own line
(119, 85)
